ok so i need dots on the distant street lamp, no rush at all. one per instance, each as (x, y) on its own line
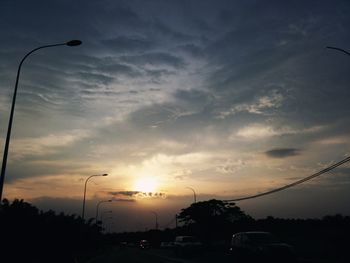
(156, 219)
(105, 212)
(103, 224)
(194, 194)
(97, 207)
(83, 213)
(110, 227)
(8, 136)
(102, 218)
(176, 222)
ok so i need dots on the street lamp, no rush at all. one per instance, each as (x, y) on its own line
(102, 217)
(194, 194)
(340, 49)
(83, 213)
(103, 224)
(110, 227)
(97, 207)
(7, 142)
(156, 218)
(105, 212)
(176, 222)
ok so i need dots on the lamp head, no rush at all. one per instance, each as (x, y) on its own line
(73, 43)
(104, 174)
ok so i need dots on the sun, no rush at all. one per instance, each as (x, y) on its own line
(147, 184)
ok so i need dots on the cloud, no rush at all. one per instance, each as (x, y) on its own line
(125, 193)
(167, 31)
(138, 194)
(271, 101)
(333, 140)
(127, 44)
(231, 166)
(45, 145)
(282, 152)
(155, 59)
(181, 174)
(123, 200)
(259, 131)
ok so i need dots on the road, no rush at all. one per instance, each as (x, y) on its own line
(136, 255)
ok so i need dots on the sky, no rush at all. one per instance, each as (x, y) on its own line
(229, 98)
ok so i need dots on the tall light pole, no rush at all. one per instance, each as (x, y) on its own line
(97, 207)
(194, 194)
(7, 142)
(156, 219)
(83, 213)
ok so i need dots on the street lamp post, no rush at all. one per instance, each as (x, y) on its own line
(102, 218)
(110, 227)
(97, 207)
(103, 224)
(105, 212)
(194, 194)
(83, 213)
(156, 219)
(7, 142)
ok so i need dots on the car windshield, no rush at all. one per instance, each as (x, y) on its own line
(262, 238)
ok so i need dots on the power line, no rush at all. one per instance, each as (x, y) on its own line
(329, 168)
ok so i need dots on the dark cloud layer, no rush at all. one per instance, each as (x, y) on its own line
(282, 152)
(138, 194)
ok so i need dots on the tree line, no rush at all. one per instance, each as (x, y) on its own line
(30, 235)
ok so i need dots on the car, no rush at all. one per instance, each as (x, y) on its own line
(144, 244)
(260, 246)
(165, 244)
(123, 243)
(186, 245)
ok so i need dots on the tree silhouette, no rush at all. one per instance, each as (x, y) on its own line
(30, 235)
(209, 219)
(207, 212)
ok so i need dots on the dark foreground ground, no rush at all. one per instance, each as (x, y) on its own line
(136, 255)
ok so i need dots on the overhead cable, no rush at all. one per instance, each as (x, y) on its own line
(329, 168)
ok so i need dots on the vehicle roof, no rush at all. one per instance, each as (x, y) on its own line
(253, 232)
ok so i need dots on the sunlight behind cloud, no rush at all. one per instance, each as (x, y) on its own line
(146, 184)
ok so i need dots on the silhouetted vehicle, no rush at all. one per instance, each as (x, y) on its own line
(260, 246)
(167, 244)
(123, 243)
(144, 244)
(186, 245)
